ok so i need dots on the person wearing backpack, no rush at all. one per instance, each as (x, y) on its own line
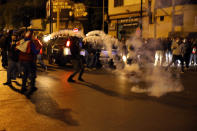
(193, 53)
(27, 58)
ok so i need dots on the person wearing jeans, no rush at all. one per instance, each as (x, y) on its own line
(193, 53)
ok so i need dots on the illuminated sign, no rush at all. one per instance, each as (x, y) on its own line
(75, 30)
(60, 5)
(79, 10)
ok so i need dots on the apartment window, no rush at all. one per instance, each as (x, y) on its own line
(178, 20)
(163, 3)
(118, 3)
(161, 18)
(183, 2)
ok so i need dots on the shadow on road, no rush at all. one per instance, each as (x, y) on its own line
(14, 89)
(178, 100)
(45, 105)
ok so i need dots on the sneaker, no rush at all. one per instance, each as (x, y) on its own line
(80, 79)
(23, 90)
(70, 80)
(33, 89)
(7, 83)
(182, 72)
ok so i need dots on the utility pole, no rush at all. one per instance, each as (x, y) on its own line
(50, 17)
(58, 16)
(155, 19)
(141, 11)
(173, 14)
(103, 16)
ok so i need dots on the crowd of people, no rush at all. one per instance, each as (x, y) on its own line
(22, 51)
(167, 52)
(19, 52)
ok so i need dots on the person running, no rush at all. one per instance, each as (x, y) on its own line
(77, 60)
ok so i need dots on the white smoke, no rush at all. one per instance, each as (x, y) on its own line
(162, 82)
(159, 81)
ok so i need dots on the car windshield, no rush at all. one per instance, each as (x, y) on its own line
(60, 41)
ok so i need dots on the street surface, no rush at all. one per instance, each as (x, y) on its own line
(103, 103)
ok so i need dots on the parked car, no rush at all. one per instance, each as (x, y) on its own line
(58, 49)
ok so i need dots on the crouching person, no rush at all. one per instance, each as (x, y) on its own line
(27, 58)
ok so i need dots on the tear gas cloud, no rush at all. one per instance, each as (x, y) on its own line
(159, 81)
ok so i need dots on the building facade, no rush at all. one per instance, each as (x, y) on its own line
(65, 14)
(160, 18)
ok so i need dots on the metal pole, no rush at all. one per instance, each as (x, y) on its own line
(155, 20)
(50, 17)
(141, 10)
(173, 14)
(103, 15)
(58, 16)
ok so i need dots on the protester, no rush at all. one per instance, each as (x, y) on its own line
(159, 52)
(77, 60)
(27, 57)
(187, 50)
(5, 45)
(177, 52)
(12, 61)
(39, 56)
(193, 53)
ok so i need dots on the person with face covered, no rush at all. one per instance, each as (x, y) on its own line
(177, 53)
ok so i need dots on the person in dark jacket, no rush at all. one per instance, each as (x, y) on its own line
(187, 51)
(13, 54)
(5, 45)
(77, 60)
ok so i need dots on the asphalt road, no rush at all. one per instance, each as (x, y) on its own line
(104, 102)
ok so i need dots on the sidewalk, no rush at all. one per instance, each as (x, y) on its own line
(17, 113)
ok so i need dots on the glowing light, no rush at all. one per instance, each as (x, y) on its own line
(46, 38)
(75, 30)
(124, 58)
(67, 51)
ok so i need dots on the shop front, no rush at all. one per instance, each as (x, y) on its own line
(127, 27)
